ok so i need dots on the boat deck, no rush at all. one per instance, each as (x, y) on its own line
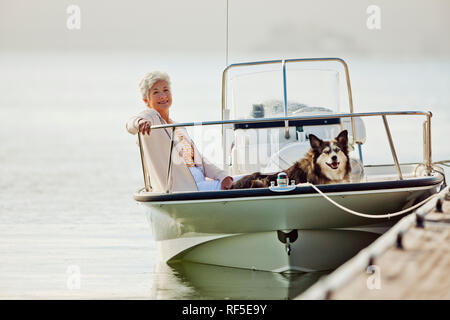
(414, 265)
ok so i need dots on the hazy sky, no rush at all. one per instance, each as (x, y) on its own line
(320, 27)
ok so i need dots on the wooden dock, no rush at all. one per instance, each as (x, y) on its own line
(410, 261)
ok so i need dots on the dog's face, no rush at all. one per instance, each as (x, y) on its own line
(331, 156)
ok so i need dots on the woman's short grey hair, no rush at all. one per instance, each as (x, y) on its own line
(150, 79)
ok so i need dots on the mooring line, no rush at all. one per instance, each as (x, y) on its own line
(364, 215)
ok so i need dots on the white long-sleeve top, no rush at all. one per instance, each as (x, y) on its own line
(156, 148)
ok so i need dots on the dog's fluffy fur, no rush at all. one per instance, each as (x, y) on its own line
(326, 162)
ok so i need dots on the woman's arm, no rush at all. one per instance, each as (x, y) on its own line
(137, 123)
(214, 172)
(133, 124)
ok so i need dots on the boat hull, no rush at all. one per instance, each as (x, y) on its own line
(170, 220)
(313, 250)
(245, 232)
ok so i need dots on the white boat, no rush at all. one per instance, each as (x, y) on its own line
(286, 228)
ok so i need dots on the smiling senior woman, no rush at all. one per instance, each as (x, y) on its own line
(189, 167)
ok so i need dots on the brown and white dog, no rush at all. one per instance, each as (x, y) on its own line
(326, 162)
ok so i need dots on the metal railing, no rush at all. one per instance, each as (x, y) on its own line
(426, 134)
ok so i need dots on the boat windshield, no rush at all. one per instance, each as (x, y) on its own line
(275, 90)
(258, 91)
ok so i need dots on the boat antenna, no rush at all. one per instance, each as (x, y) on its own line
(226, 53)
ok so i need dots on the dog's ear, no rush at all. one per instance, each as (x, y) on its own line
(314, 141)
(342, 138)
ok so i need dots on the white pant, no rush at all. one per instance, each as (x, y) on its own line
(202, 184)
(208, 185)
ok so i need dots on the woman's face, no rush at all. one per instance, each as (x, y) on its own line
(160, 97)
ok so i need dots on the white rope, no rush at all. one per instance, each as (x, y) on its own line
(373, 216)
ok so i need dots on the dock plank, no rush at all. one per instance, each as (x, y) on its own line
(418, 271)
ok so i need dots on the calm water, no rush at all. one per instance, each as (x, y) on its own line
(68, 170)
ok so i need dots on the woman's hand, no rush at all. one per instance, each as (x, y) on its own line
(226, 183)
(144, 126)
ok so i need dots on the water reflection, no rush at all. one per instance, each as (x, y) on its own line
(189, 280)
(320, 250)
